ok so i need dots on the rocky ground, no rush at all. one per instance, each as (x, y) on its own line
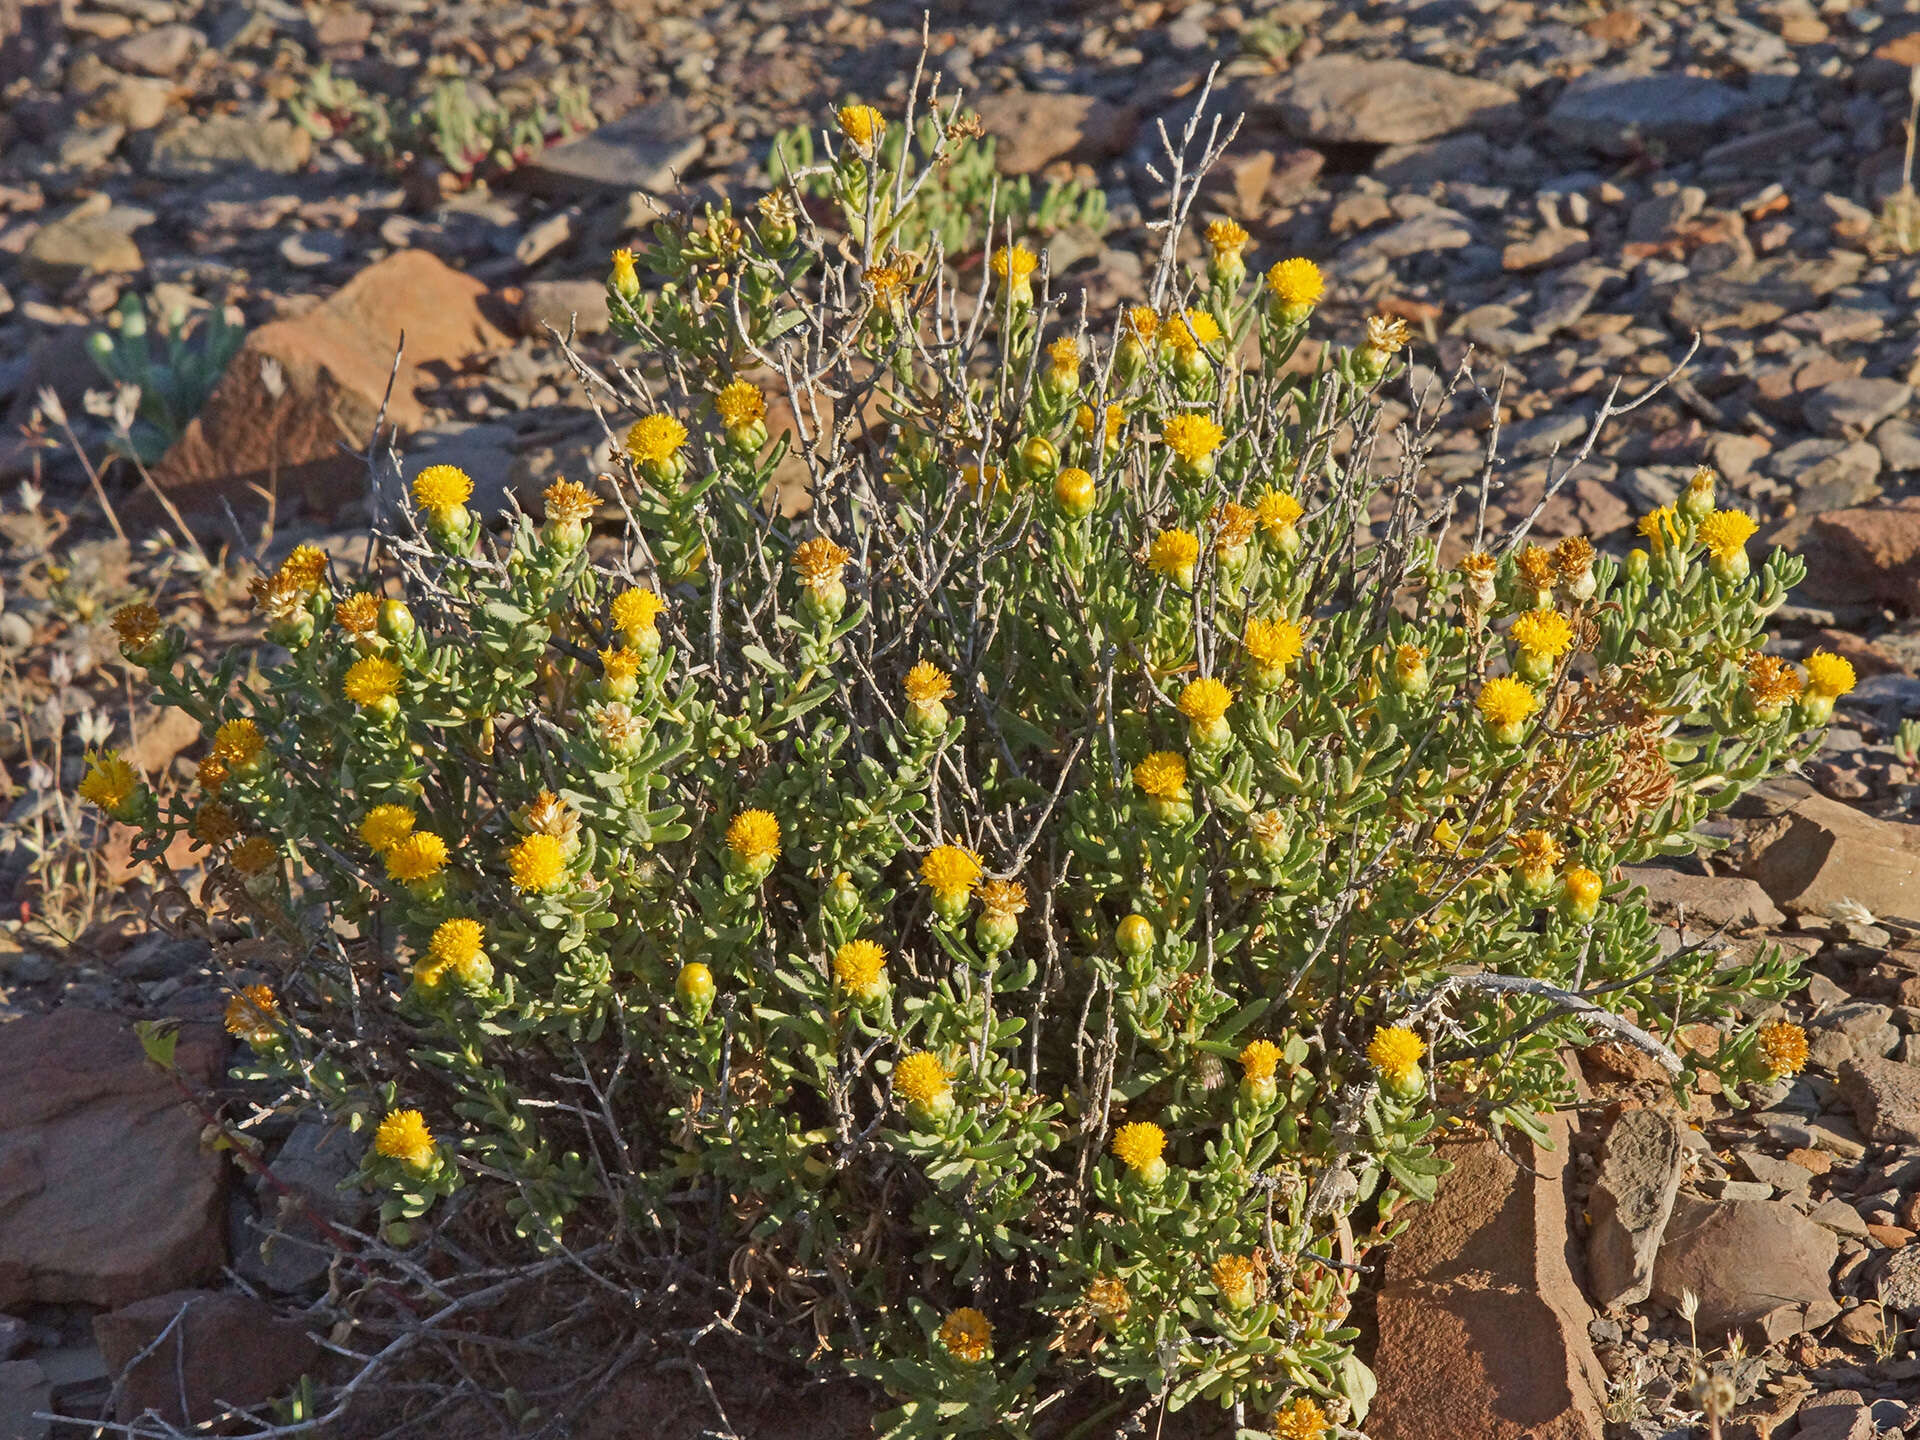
(1566, 193)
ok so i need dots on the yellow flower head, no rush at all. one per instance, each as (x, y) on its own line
(1139, 1144)
(372, 679)
(635, 610)
(1725, 533)
(214, 824)
(385, 826)
(568, 502)
(859, 966)
(254, 855)
(420, 856)
(888, 282)
(1272, 644)
(1235, 1276)
(967, 1335)
(1014, 262)
(1545, 634)
(438, 488)
(1088, 423)
(238, 742)
(1771, 681)
(1192, 437)
(740, 404)
(1534, 564)
(655, 439)
(1478, 570)
(136, 625)
(538, 863)
(927, 682)
(1296, 282)
(1506, 701)
(1783, 1047)
(1395, 1050)
(1190, 330)
(1260, 1059)
(818, 562)
(1003, 899)
(1828, 675)
(619, 664)
(950, 871)
(1140, 325)
(1225, 238)
(358, 614)
(279, 598)
(921, 1078)
(1536, 855)
(1661, 528)
(1277, 511)
(1108, 1299)
(253, 1015)
(1162, 775)
(110, 782)
(305, 568)
(1204, 701)
(404, 1136)
(1583, 886)
(754, 836)
(1387, 334)
(863, 125)
(212, 771)
(456, 944)
(1063, 356)
(1302, 1419)
(1173, 553)
(624, 278)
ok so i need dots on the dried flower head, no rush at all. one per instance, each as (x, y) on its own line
(358, 614)
(404, 1136)
(305, 568)
(1388, 334)
(818, 562)
(1537, 855)
(1162, 775)
(1232, 526)
(214, 824)
(568, 502)
(136, 625)
(1002, 899)
(1108, 1300)
(1771, 681)
(439, 488)
(967, 1335)
(1783, 1047)
(255, 855)
(253, 1015)
(1534, 565)
(1573, 559)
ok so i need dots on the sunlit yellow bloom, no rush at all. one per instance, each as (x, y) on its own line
(1205, 701)
(420, 856)
(1302, 1419)
(619, 664)
(967, 1336)
(1545, 634)
(238, 742)
(1783, 1047)
(1140, 324)
(950, 872)
(927, 682)
(567, 502)
(457, 946)
(1191, 330)
(655, 439)
(1395, 1051)
(358, 614)
(253, 1015)
(1237, 1278)
(1063, 356)
(1225, 237)
(754, 837)
(538, 863)
(372, 679)
(860, 967)
(1260, 1059)
(1272, 644)
(1162, 775)
(1014, 262)
(1828, 675)
(1108, 1299)
(404, 1136)
(1772, 682)
(1173, 554)
(1191, 436)
(439, 488)
(305, 568)
(1086, 422)
(1277, 512)
(110, 782)
(1139, 1146)
(740, 404)
(1725, 533)
(923, 1080)
(1296, 283)
(635, 610)
(888, 283)
(863, 125)
(1536, 856)
(1661, 528)
(1506, 702)
(385, 826)
(818, 562)
(625, 278)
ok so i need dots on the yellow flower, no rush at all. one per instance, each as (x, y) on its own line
(740, 404)
(372, 679)
(888, 283)
(1139, 1145)
(1771, 681)
(1783, 1047)
(1190, 330)
(967, 1335)
(861, 968)
(1232, 527)
(404, 1136)
(1277, 511)
(1537, 854)
(1205, 701)
(1108, 1299)
(619, 664)
(1395, 1051)
(385, 826)
(1224, 237)
(1303, 1419)
(110, 781)
(635, 610)
(214, 824)
(1173, 554)
(950, 872)
(1237, 1279)
(136, 625)
(625, 278)
(420, 856)
(818, 562)
(1829, 676)
(1088, 423)
(655, 439)
(456, 946)
(439, 488)
(922, 1079)
(1162, 775)
(254, 855)
(358, 615)
(305, 568)
(927, 682)
(1582, 888)
(1725, 533)
(1543, 634)
(754, 837)
(1192, 437)
(1534, 565)
(1140, 325)
(1272, 644)
(567, 502)
(1063, 357)
(1002, 899)
(1661, 528)
(863, 125)
(538, 863)
(238, 742)
(1296, 282)
(1506, 702)
(1260, 1059)
(254, 1016)
(1014, 263)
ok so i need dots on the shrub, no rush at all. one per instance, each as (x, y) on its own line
(1021, 924)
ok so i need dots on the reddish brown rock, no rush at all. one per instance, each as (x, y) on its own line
(1483, 1331)
(1757, 1267)
(1869, 555)
(106, 1195)
(1707, 901)
(1808, 852)
(1031, 129)
(226, 1350)
(299, 388)
(1885, 1098)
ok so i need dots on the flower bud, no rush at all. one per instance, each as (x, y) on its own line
(1073, 493)
(1134, 937)
(1580, 894)
(1639, 565)
(841, 898)
(1697, 500)
(1037, 458)
(695, 989)
(396, 621)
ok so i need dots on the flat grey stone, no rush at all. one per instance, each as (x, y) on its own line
(1853, 407)
(646, 149)
(1618, 112)
(1344, 99)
